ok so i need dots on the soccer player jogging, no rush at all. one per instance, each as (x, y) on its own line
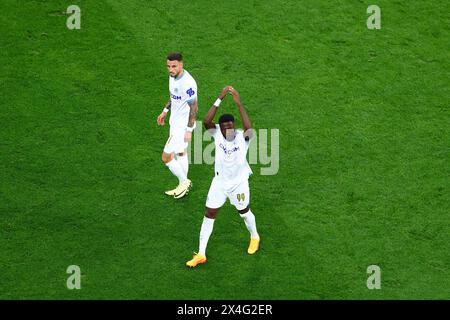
(183, 107)
(231, 174)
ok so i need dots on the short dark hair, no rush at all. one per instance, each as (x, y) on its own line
(225, 118)
(174, 56)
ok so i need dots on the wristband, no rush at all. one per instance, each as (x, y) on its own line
(217, 103)
(165, 110)
(189, 129)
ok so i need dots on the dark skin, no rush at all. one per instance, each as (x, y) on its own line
(228, 131)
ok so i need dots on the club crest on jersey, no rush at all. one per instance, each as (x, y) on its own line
(190, 92)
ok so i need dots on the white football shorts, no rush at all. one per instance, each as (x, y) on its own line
(238, 194)
(176, 143)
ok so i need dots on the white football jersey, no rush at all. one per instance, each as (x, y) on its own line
(182, 90)
(231, 164)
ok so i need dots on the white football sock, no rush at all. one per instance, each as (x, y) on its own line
(183, 161)
(250, 222)
(205, 232)
(177, 170)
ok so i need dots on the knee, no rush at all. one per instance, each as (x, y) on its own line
(211, 213)
(166, 158)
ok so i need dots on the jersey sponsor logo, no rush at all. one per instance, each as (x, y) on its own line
(174, 97)
(228, 151)
(190, 92)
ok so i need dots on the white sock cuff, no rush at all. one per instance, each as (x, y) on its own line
(170, 162)
(208, 220)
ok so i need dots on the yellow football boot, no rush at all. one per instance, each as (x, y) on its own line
(254, 246)
(197, 259)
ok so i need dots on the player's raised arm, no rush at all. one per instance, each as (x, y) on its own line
(248, 132)
(208, 120)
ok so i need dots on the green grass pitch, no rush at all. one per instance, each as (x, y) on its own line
(364, 149)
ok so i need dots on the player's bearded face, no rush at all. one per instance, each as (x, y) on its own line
(227, 129)
(174, 67)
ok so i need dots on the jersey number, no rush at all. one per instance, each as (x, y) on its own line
(240, 197)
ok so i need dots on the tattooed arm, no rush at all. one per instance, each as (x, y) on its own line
(193, 106)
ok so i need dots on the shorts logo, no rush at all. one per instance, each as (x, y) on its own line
(190, 92)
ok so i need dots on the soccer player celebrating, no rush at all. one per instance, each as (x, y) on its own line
(231, 174)
(183, 106)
